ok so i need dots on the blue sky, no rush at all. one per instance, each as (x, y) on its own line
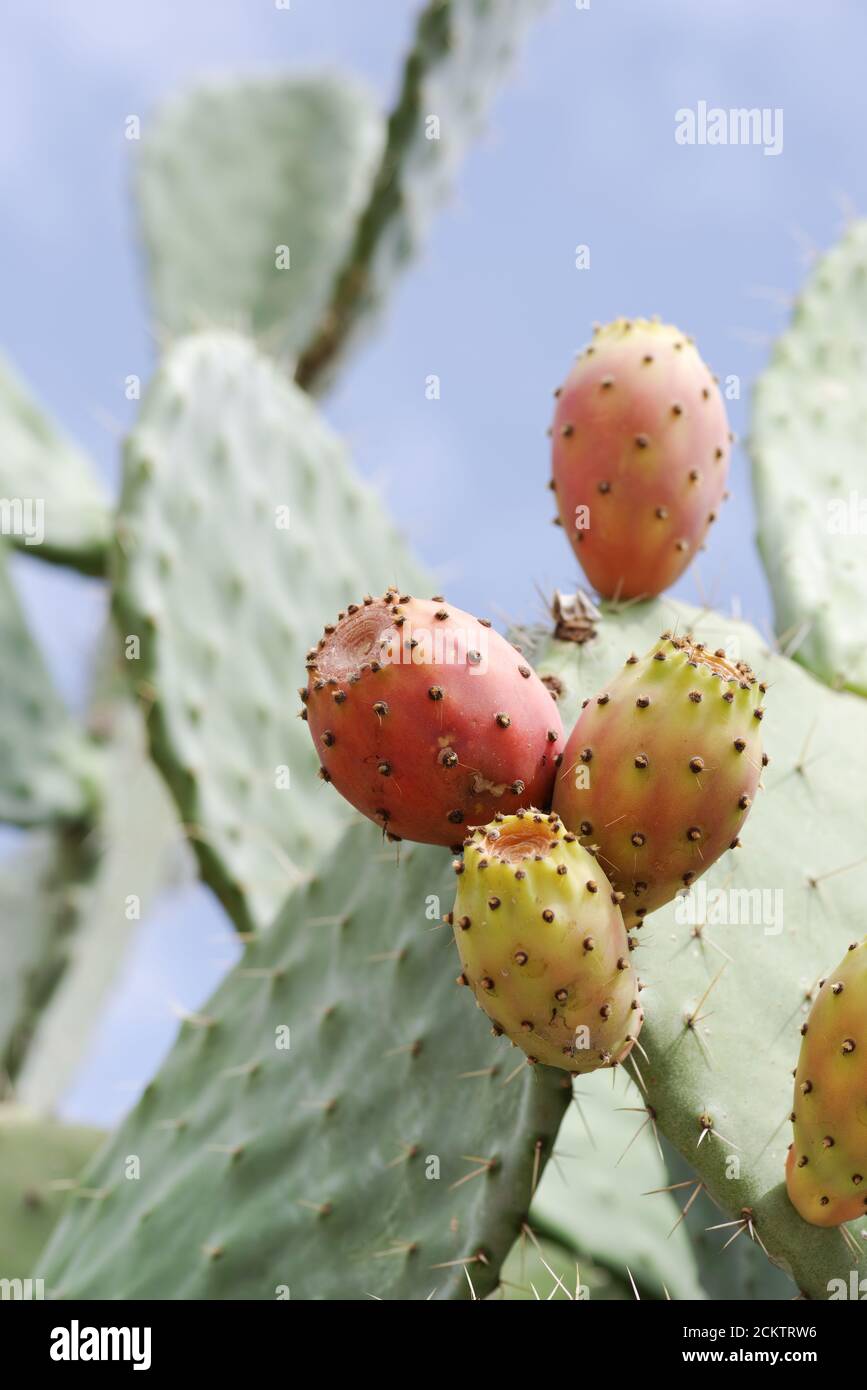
(580, 148)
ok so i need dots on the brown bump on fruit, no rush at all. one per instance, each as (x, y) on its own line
(586, 827)
(719, 453)
(552, 736)
(456, 817)
(695, 697)
(448, 757)
(567, 431)
(837, 989)
(681, 545)
(493, 903)
(487, 983)
(520, 873)
(696, 764)
(381, 708)
(617, 897)
(659, 656)
(637, 838)
(592, 886)
(435, 692)
(641, 760)
(848, 1046)
(562, 869)
(338, 696)
(384, 769)
(328, 738)
(524, 671)
(465, 923)
(758, 713)
(526, 1025)
(806, 1087)
(603, 487)
(521, 957)
(605, 1011)
(827, 1142)
(589, 944)
(586, 755)
(602, 699)
(458, 866)
(641, 441)
(740, 744)
(547, 915)
(643, 701)
(622, 963)
(803, 1161)
(677, 408)
(728, 696)
(693, 833)
(517, 787)
(744, 802)
(647, 358)
(694, 475)
(462, 980)
(325, 774)
(857, 1179)
(661, 513)
(561, 995)
(441, 615)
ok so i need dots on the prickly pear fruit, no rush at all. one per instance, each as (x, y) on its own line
(640, 456)
(661, 769)
(542, 944)
(826, 1169)
(427, 720)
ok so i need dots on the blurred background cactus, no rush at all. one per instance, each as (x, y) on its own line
(332, 1118)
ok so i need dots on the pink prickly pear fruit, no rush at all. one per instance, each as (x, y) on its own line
(826, 1168)
(662, 767)
(543, 946)
(640, 445)
(427, 720)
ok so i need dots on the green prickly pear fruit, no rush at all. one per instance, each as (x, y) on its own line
(662, 767)
(543, 945)
(826, 1168)
(640, 456)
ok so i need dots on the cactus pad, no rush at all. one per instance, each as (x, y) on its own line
(333, 1119)
(232, 486)
(807, 445)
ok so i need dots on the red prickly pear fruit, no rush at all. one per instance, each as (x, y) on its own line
(662, 767)
(826, 1168)
(640, 446)
(543, 946)
(427, 720)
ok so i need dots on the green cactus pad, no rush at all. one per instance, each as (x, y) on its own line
(547, 1270)
(807, 445)
(233, 172)
(40, 1161)
(225, 603)
(461, 52)
(48, 769)
(592, 1197)
(719, 1068)
(293, 1135)
(731, 1266)
(37, 465)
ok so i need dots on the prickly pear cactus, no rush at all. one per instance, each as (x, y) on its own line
(333, 1121)
(543, 946)
(248, 193)
(640, 452)
(730, 971)
(232, 483)
(807, 445)
(37, 465)
(825, 1167)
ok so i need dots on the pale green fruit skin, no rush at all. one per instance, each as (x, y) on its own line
(543, 945)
